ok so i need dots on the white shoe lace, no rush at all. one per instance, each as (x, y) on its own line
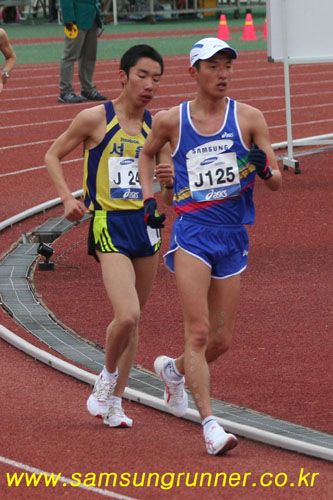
(116, 409)
(104, 389)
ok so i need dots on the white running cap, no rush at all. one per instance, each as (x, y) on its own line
(208, 47)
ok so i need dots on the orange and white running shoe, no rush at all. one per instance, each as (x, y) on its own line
(98, 403)
(175, 395)
(218, 441)
(116, 416)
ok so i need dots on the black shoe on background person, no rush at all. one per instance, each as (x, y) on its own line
(93, 95)
(70, 98)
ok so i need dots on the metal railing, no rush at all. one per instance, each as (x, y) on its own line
(152, 9)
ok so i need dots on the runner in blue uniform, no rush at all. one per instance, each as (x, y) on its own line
(219, 147)
(113, 135)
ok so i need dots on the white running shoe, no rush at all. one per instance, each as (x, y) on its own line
(175, 395)
(116, 416)
(98, 403)
(218, 441)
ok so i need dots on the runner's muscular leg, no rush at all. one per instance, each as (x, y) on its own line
(145, 270)
(223, 299)
(193, 282)
(223, 302)
(121, 335)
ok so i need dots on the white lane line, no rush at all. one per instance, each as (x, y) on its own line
(300, 124)
(14, 146)
(18, 172)
(36, 124)
(257, 98)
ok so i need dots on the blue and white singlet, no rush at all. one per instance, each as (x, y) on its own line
(213, 180)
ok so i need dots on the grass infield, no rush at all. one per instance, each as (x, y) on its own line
(39, 50)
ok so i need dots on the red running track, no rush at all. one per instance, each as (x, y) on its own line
(281, 357)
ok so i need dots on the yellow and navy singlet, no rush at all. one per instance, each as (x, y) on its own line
(111, 179)
(213, 180)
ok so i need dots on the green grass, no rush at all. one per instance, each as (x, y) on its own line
(41, 28)
(109, 49)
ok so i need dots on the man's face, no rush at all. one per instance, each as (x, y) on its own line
(214, 74)
(143, 80)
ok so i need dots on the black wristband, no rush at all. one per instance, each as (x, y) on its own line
(267, 174)
(169, 187)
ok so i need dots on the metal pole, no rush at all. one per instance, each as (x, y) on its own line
(287, 162)
(115, 12)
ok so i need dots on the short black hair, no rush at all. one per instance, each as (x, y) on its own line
(196, 65)
(132, 55)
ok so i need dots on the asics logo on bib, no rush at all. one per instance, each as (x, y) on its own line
(227, 134)
(132, 195)
(216, 195)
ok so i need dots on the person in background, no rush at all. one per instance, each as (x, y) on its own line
(86, 16)
(219, 147)
(53, 11)
(10, 58)
(113, 135)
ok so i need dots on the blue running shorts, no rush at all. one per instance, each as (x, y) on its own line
(122, 231)
(222, 248)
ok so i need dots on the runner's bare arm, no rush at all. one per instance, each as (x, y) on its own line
(164, 172)
(79, 131)
(259, 135)
(157, 138)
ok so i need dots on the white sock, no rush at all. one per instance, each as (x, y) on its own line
(171, 373)
(110, 377)
(208, 422)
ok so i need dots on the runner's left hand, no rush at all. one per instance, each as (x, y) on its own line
(259, 159)
(150, 217)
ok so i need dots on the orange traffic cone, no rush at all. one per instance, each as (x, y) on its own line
(249, 31)
(223, 33)
(264, 35)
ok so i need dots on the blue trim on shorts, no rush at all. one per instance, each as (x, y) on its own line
(224, 249)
